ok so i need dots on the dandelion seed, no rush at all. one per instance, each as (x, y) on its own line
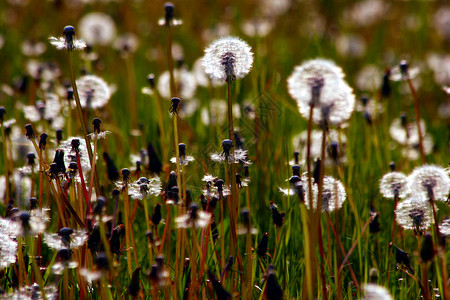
(333, 194)
(227, 59)
(97, 28)
(429, 181)
(373, 291)
(68, 41)
(414, 213)
(394, 184)
(94, 92)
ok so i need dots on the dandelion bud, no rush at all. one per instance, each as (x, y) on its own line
(273, 290)
(2, 113)
(218, 288)
(154, 164)
(31, 159)
(219, 184)
(316, 172)
(101, 261)
(246, 171)
(296, 157)
(96, 123)
(174, 108)
(334, 150)
(69, 94)
(277, 217)
(296, 170)
(151, 80)
(29, 131)
(113, 173)
(402, 258)
(126, 175)
(172, 181)
(43, 141)
(169, 9)
(135, 283)
(245, 214)
(101, 202)
(173, 194)
(182, 149)
(427, 252)
(386, 86)
(374, 225)
(59, 160)
(156, 217)
(64, 254)
(261, 250)
(59, 136)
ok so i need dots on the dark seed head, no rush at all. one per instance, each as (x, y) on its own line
(151, 80)
(273, 290)
(404, 68)
(226, 146)
(2, 113)
(69, 31)
(169, 10)
(156, 217)
(154, 164)
(33, 203)
(96, 123)
(43, 141)
(126, 175)
(101, 261)
(174, 108)
(386, 86)
(29, 131)
(296, 170)
(364, 99)
(245, 214)
(75, 143)
(296, 157)
(31, 159)
(261, 250)
(392, 166)
(64, 254)
(334, 150)
(69, 94)
(182, 149)
(115, 193)
(59, 135)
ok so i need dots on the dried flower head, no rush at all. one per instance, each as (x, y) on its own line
(394, 184)
(333, 194)
(227, 59)
(430, 181)
(67, 41)
(414, 213)
(97, 28)
(94, 91)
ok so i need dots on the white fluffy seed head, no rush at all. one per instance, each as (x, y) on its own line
(227, 58)
(414, 213)
(333, 194)
(94, 91)
(373, 291)
(429, 180)
(394, 183)
(97, 28)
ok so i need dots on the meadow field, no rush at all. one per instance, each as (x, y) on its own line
(256, 149)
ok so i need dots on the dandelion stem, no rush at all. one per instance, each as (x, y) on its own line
(126, 209)
(80, 115)
(93, 172)
(162, 130)
(6, 163)
(419, 129)
(148, 229)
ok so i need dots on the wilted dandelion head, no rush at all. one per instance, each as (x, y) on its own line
(394, 184)
(430, 181)
(227, 59)
(333, 194)
(94, 91)
(66, 238)
(375, 292)
(145, 187)
(97, 28)
(414, 213)
(67, 41)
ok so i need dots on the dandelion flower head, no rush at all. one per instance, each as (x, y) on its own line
(227, 58)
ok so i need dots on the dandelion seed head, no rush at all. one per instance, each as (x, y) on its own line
(32, 48)
(414, 213)
(404, 132)
(368, 79)
(184, 81)
(227, 58)
(257, 27)
(8, 249)
(441, 22)
(333, 194)
(144, 187)
(444, 227)
(94, 91)
(193, 218)
(97, 28)
(350, 45)
(394, 183)
(70, 153)
(67, 41)
(72, 239)
(127, 43)
(367, 12)
(373, 291)
(430, 180)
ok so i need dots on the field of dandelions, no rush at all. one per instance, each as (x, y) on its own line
(272, 149)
